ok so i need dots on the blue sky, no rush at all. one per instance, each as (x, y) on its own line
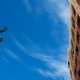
(35, 45)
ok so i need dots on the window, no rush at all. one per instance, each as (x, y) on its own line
(78, 21)
(68, 64)
(78, 37)
(73, 22)
(77, 51)
(78, 1)
(72, 54)
(79, 72)
(73, 35)
(75, 72)
(72, 46)
(76, 62)
(74, 12)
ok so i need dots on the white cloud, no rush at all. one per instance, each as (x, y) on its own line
(46, 73)
(63, 12)
(58, 12)
(58, 9)
(57, 68)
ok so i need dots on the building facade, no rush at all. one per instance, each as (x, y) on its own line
(73, 56)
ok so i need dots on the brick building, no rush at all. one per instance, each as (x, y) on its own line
(73, 58)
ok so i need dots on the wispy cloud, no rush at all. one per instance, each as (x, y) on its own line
(46, 73)
(57, 67)
(31, 48)
(56, 64)
(4, 59)
(12, 54)
(18, 44)
(27, 4)
(27, 38)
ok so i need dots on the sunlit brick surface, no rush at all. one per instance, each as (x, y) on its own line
(73, 58)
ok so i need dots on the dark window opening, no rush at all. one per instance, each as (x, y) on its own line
(75, 72)
(72, 46)
(78, 37)
(73, 35)
(73, 22)
(68, 64)
(77, 51)
(76, 62)
(78, 21)
(74, 12)
(79, 73)
(72, 54)
(78, 1)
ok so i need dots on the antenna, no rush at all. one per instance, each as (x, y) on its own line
(67, 2)
(67, 29)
